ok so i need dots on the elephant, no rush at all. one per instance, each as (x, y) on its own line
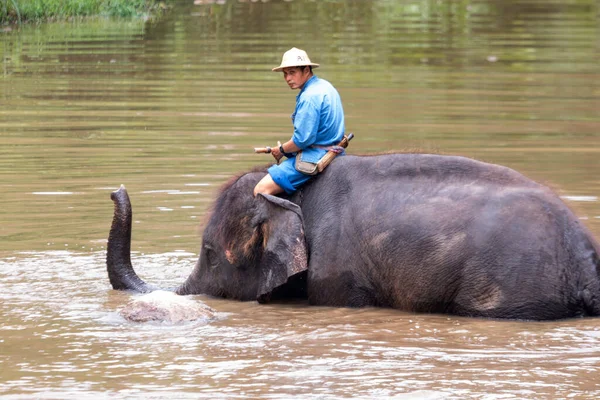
(422, 233)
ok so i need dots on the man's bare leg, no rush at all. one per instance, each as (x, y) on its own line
(267, 186)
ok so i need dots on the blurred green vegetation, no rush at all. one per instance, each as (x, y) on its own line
(38, 10)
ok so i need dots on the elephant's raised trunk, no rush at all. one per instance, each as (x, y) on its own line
(118, 260)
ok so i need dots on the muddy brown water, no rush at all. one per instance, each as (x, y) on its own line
(172, 108)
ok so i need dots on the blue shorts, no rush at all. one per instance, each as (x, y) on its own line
(287, 177)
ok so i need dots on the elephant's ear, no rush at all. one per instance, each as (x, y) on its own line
(284, 244)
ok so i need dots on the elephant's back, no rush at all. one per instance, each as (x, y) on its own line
(427, 168)
(400, 182)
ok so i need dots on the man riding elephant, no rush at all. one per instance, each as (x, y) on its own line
(448, 234)
(318, 125)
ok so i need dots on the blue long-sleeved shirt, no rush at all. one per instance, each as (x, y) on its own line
(318, 118)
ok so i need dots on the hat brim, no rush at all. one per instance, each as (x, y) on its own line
(281, 67)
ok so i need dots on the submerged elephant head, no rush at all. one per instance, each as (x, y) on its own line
(250, 245)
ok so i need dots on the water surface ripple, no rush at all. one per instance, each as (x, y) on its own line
(172, 109)
(62, 337)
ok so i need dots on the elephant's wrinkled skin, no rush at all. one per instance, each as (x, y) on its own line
(423, 233)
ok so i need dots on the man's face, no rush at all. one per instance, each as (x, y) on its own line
(296, 77)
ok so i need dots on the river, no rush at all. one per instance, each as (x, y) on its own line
(172, 108)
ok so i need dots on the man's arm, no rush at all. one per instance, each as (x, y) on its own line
(288, 147)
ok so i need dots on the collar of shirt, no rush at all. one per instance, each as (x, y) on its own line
(312, 80)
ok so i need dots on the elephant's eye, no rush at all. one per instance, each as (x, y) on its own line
(211, 257)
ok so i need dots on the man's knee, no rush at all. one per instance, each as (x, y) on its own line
(267, 186)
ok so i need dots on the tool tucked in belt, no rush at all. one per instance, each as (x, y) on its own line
(309, 168)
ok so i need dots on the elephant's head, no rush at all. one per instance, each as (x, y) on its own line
(250, 246)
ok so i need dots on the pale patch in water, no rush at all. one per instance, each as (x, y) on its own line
(170, 191)
(580, 198)
(178, 253)
(53, 193)
(163, 306)
(227, 133)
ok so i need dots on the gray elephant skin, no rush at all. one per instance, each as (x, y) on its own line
(417, 232)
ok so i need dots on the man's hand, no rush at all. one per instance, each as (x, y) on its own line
(276, 153)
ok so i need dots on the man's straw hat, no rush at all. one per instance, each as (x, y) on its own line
(295, 58)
